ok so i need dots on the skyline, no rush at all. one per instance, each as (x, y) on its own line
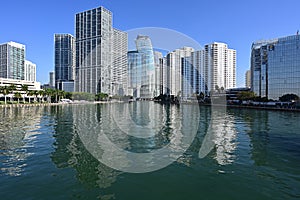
(241, 26)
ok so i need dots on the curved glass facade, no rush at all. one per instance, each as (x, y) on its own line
(141, 69)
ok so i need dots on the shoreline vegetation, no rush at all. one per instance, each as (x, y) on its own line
(252, 107)
(50, 104)
(13, 96)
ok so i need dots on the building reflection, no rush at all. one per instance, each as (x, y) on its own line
(225, 139)
(273, 142)
(220, 135)
(259, 129)
(136, 137)
(70, 152)
(274, 138)
(18, 128)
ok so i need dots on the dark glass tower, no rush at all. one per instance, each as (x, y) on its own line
(64, 45)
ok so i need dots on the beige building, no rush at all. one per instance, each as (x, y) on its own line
(248, 78)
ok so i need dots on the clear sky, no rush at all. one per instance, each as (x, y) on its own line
(235, 22)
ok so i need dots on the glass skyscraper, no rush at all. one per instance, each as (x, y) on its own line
(101, 54)
(93, 51)
(64, 45)
(275, 67)
(142, 69)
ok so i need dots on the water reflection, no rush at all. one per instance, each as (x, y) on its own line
(70, 152)
(161, 136)
(261, 147)
(225, 139)
(18, 128)
(272, 134)
(220, 136)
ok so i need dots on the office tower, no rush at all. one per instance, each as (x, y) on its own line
(12, 60)
(93, 51)
(119, 70)
(29, 71)
(275, 67)
(248, 79)
(64, 59)
(220, 66)
(142, 69)
(52, 79)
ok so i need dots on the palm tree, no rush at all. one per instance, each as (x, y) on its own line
(222, 89)
(201, 96)
(56, 93)
(24, 88)
(12, 88)
(36, 93)
(49, 93)
(41, 94)
(101, 96)
(18, 96)
(217, 88)
(30, 93)
(62, 94)
(5, 91)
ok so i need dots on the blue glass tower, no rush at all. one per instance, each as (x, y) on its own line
(141, 69)
(275, 67)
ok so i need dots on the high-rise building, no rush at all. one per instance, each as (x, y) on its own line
(29, 71)
(220, 66)
(248, 79)
(119, 70)
(199, 82)
(101, 54)
(158, 73)
(52, 79)
(94, 34)
(142, 69)
(230, 69)
(275, 67)
(187, 73)
(175, 62)
(12, 60)
(134, 73)
(64, 59)
(165, 77)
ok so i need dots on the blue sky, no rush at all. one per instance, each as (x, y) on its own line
(235, 22)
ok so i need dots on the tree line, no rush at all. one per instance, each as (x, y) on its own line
(13, 94)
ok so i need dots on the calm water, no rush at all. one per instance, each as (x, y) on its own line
(45, 152)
